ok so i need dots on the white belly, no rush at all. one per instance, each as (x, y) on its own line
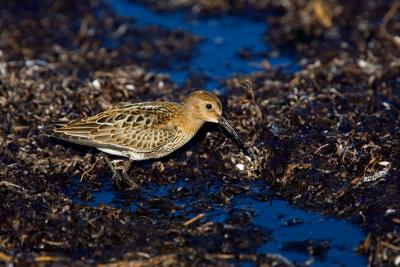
(127, 154)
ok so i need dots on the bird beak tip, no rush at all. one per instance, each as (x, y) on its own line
(227, 127)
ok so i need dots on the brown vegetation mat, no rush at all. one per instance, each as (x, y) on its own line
(326, 138)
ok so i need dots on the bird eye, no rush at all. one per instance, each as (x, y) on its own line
(208, 106)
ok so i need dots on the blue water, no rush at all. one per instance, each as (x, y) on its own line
(285, 223)
(217, 58)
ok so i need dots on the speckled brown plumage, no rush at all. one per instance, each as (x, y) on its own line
(144, 129)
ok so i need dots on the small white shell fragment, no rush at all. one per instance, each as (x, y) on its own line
(397, 40)
(386, 105)
(390, 211)
(397, 260)
(96, 84)
(130, 87)
(248, 158)
(240, 166)
(384, 163)
(363, 63)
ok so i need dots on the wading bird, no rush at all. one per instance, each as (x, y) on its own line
(146, 130)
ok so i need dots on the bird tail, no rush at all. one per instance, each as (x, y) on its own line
(48, 128)
(74, 132)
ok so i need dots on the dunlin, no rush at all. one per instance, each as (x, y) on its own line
(147, 130)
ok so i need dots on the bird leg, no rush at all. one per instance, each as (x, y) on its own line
(126, 176)
(118, 177)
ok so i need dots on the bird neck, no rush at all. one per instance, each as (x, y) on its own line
(189, 120)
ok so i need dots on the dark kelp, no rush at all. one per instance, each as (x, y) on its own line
(326, 138)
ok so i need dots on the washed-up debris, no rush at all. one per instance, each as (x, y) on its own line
(323, 137)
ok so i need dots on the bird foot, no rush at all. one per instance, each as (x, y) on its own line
(124, 178)
(121, 178)
(130, 181)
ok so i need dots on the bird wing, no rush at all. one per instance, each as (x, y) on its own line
(140, 127)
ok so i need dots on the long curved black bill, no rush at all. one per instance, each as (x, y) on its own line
(227, 127)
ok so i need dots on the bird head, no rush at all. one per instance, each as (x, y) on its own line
(206, 107)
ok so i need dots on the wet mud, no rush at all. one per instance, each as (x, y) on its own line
(325, 138)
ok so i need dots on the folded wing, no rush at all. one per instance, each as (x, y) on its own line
(141, 127)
